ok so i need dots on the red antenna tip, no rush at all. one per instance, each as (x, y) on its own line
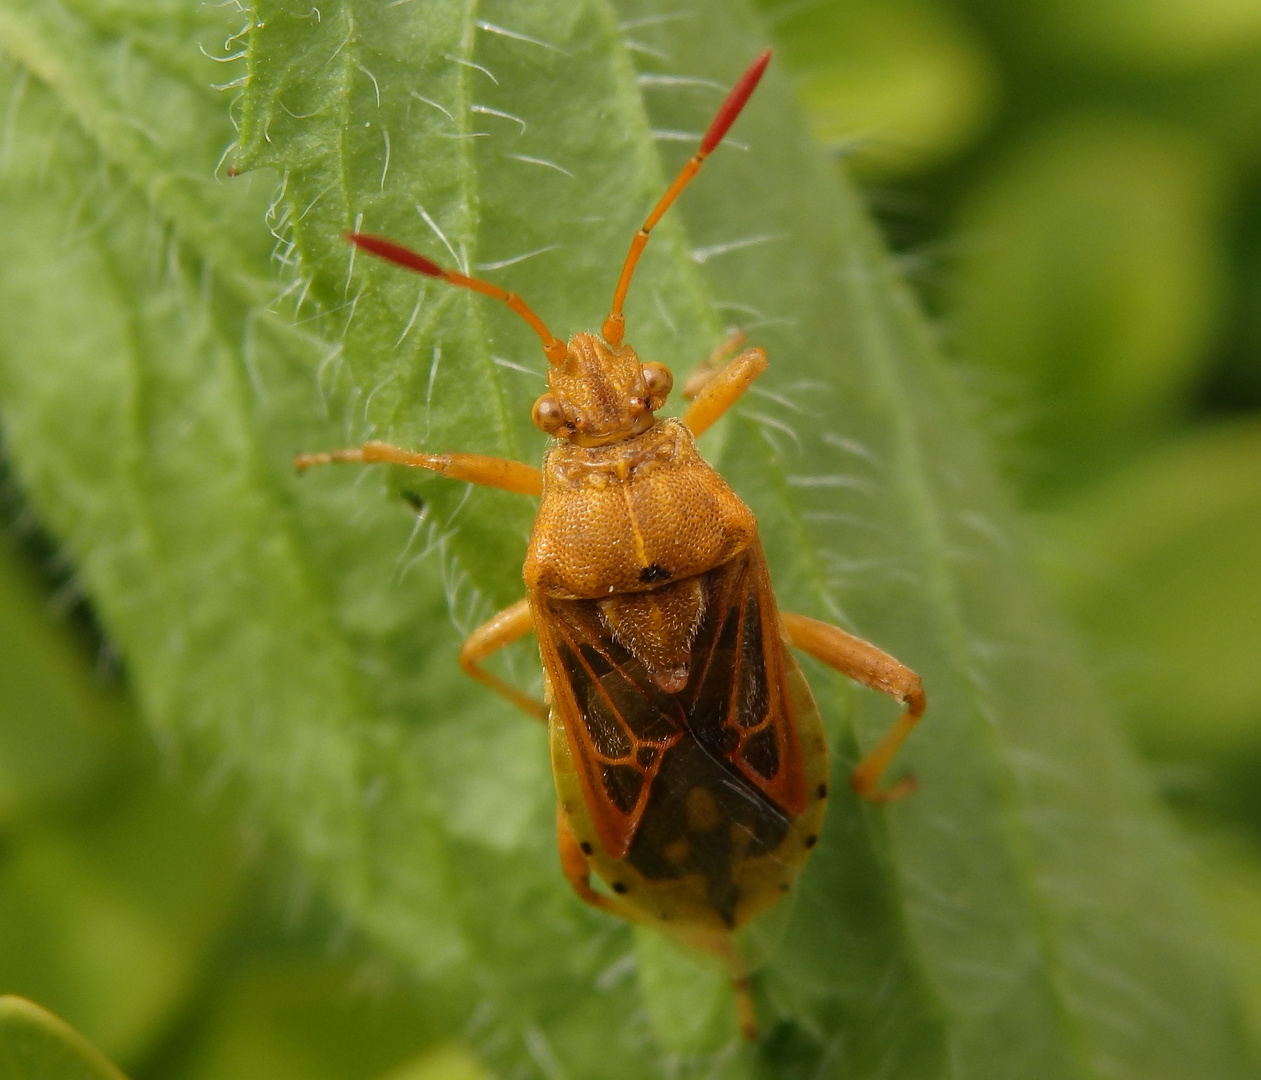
(395, 253)
(740, 94)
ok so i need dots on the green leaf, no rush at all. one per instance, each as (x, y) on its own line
(1159, 564)
(109, 919)
(897, 85)
(1024, 915)
(36, 1045)
(1092, 293)
(445, 1063)
(1229, 872)
(1149, 36)
(60, 728)
(309, 1017)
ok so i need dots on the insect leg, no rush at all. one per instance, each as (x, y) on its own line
(864, 663)
(499, 630)
(578, 871)
(724, 946)
(703, 375)
(724, 389)
(746, 1014)
(705, 371)
(473, 468)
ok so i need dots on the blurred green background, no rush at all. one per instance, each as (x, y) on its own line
(1071, 187)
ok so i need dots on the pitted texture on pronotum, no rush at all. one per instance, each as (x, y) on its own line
(631, 516)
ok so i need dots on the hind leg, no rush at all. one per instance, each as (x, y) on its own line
(864, 663)
(721, 389)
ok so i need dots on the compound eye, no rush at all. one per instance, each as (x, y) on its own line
(658, 379)
(547, 414)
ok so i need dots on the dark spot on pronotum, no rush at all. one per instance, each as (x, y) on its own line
(823, 791)
(783, 887)
(653, 573)
(811, 840)
(413, 500)
(619, 888)
(586, 848)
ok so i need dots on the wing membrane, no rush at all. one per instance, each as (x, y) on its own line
(619, 724)
(741, 703)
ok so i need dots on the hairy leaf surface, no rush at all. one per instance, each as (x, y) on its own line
(1023, 916)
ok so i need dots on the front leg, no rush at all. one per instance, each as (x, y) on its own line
(704, 372)
(473, 468)
(723, 390)
(864, 663)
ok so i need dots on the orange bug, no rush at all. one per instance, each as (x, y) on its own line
(690, 760)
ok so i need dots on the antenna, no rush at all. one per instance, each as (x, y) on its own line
(412, 260)
(615, 324)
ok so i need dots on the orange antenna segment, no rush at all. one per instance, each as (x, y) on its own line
(413, 260)
(615, 324)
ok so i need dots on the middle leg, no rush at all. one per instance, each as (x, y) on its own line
(509, 625)
(864, 663)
